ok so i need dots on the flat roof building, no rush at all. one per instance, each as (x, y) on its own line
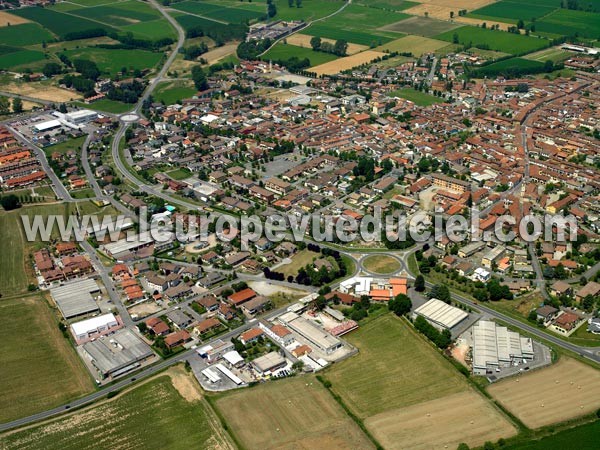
(312, 332)
(269, 362)
(440, 314)
(99, 324)
(75, 299)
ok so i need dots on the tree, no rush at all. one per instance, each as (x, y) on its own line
(271, 10)
(340, 47)
(51, 68)
(520, 24)
(451, 14)
(4, 105)
(17, 105)
(62, 108)
(199, 78)
(290, 3)
(315, 43)
(10, 202)
(298, 3)
(400, 305)
(455, 39)
(441, 292)
(420, 283)
(462, 446)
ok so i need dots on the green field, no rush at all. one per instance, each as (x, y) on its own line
(111, 61)
(179, 174)
(284, 52)
(417, 97)
(583, 437)
(394, 368)
(500, 41)
(24, 34)
(153, 30)
(13, 278)
(310, 10)
(511, 11)
(40, 368)
(119, 14)
(69, 145)
(171, 92)
(381, 264)
(508, 66)
(59, 23)
(106, 105)
(567, 22)
(188, 21)
(152, 415)
(19, 58)
(392, 5)
(221, 12)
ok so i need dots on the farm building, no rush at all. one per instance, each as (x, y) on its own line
(75, 299)
(117, 354)
(441, 315)
(495, 347)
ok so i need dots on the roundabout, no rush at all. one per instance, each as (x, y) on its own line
(129, 118)
(381, 264)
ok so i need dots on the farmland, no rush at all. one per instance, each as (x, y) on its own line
(171, 92)
(346, 63)
(112, 61)
(293, 413)
(511, 11)
(13, 278)
(381, 264)
(586, 436)
(20, 58)
(398, 375)
(417, 45)
(8, 19)
(42, 369)
(511, 65)
(494, 40)
(303, 40)
(539, 398)
(283, 52)
(119, 14)
(417, 97)
(421, 26)
(221, 12)
(568, 23)
(165, 412)
(311, 9)
(107, 105)
(25, 34)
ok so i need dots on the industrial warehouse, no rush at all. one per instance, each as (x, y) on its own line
(440, 314)
(75, 299)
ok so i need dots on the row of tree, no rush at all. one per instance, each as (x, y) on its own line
(339, 48)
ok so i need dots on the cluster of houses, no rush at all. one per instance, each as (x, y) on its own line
(60, 263)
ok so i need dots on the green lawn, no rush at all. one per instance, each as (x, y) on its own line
(299, 260)
(501, 41)
(111, 61)
(381, 264)
(283, 52)
(171, 92)
(106, 105)
(394, 368)
(180, 174)
(417, 97)
(152, 415)
(40, 369)
(66, 146)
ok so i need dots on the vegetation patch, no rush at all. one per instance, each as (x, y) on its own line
(284, 52)
(501, 41)
(25, 34)
(381, 264)
(111, 61)
(511, 11)
(417, 97)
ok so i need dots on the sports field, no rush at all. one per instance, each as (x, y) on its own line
(381, 264)
(501, 41)
(417, 45)
(442, 423)
(283, 52)
(395, 368)
(297, 413)
(165, 412)
(554, 54)
(564, 391)
(346, 63)
(40, 369)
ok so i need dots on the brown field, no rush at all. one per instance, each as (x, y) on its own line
(346, 63)
(441, 9)
(303, 40)
(10, 19)
(417, 45)
(218, 53)
(566, 390)
(297, 413)
(442, 423)
(43, 92)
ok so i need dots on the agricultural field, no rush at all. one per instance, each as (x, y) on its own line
(347, 62)
(221, 12)
(508, 65)
(567, 23)
(512, 11)
(564, 391)
(13, 277)
(70, 145)
(107, 105)
(417, 97)
(43, 368)
(390, 5)
(310, 10)
(417, 45)
(20, 58)
(119, 14)
(421, 26)
(303, 40)
(440, 9)
(41, 90)
(170, 92)
(585, 436)
(294, 413)
(381, 264)
(165, 412)
(441, 423)
(554, 54)
(495, 40)
(25, 34)
(152, 30)
(283, 52)
(398, 375)
(111, 61)
(8, 19)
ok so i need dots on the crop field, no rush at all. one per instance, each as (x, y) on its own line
(564, 391)
(13, 278)
(506, 65)
(440, 9)
(417, 97)
(220, 12)
(495, 40)
(152, 30)
(310, 10)
(25, 34)
(303, 40)
(567, 22)
(293, 413)
(586, 436)
(112, 61)
(395, 368)
(286, 51)
(42, 91)
(554, 54)
(19, 58)
(166, 412)
(347, 62)
(441, 423)
(40, 371)
(188, 22)
(512, 11)
(120, 14)
(381, 264)
(421, 26)
(57, 22)
(391, 5)
(417, 45)
(8, 19)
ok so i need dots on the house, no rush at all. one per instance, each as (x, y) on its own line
(252, 335)
(256, 305)
(179, 319)
(242, 296)
(176, 292)
(345, 299)
(565, 323)
(206, 326)
(546, 313)
(208, 302)
(157, 326)
(592, 288)
(226, 312)
(560, 288)
(278, 333)
(176, 339)
(211, 279)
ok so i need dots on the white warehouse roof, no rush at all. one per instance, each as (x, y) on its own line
(441, 313)
(94, 324)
